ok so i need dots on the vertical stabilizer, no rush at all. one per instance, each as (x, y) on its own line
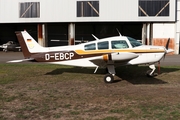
(28, 45)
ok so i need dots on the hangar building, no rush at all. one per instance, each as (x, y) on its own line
(66, 22)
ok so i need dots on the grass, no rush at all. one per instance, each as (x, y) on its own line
(41, 91)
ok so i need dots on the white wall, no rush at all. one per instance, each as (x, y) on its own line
(177, 28)
(163, 30)
(65, 11)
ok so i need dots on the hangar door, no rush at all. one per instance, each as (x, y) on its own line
(7, 31)
(83, 31)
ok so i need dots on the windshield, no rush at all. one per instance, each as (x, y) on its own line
(134, 42)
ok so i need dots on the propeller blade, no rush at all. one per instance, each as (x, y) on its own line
(167, 48)
(167, 44)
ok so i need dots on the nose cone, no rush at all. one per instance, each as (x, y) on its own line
(169, 50)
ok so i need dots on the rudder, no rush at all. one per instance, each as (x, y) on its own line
(28, 45)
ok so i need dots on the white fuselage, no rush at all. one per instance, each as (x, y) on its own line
(119, 50)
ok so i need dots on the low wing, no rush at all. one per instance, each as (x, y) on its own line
(114, 58)
(22, 60)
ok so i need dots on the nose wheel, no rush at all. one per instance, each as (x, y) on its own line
(150, 73)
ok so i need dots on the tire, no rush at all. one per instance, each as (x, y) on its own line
(148, 73)
(108, 78)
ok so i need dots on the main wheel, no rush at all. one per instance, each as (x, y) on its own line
(108, 78)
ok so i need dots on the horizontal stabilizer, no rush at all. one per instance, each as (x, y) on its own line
(22, 60)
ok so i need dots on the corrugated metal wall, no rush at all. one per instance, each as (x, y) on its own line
(16, 11)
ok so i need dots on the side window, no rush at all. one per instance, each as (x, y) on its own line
(29, 10)
(88, 8)
(103, 45)
(121, 44)
(90, 46)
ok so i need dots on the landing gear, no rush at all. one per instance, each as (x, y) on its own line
(108, 78)
(5, 50)
(150, 73)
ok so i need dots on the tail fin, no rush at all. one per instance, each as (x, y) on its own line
(28, 45)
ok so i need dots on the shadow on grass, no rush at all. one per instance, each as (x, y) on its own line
(132, 74)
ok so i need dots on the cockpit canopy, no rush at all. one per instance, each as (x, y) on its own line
(134, 42)
(127, 42)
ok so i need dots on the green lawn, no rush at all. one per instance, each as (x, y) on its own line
(42, 91)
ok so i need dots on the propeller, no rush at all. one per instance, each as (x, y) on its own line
(167, 48)
(167, 44)
(159, 67)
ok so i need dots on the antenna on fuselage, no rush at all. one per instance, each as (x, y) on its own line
(95, 37)
(118, 32)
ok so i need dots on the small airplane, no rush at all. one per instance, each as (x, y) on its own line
(107, 53)
(10, 46)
